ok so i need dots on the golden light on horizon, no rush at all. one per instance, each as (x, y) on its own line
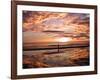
(64, 39)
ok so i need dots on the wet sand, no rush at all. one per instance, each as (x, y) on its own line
(63, 57)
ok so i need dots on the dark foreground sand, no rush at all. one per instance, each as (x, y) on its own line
(53, 58)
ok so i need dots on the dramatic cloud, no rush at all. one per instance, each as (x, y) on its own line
(38, 21)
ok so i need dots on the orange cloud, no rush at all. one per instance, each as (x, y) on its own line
(68, 22)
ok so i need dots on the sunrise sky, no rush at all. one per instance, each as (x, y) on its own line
(36, 23)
